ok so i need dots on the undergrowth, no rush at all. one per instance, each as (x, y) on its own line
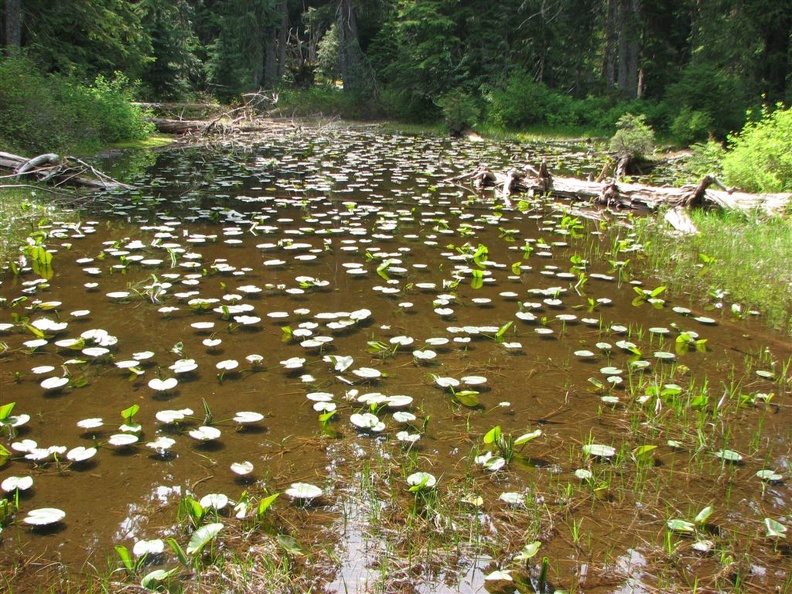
(44, 113)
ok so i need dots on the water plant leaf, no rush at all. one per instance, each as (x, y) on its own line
(303, 491)
(644, 452)
(770, 476)
(523, 439)
(153, 579)
(467, 398)
(499, 575)
(128, 413)
(599, 450)
(289, 544)
(493, 435)
(125, 557)
(5, 410)
(179, 552)
(729, 455)
(775, 529)
(202, 536)
(529, 551)
(44, 516)
(502, 330)
(477, 279)
(421, 481)
(704, 515)
(265, 504)
(480, 255)
(679, 525)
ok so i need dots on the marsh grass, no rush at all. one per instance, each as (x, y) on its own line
(741, 261)
(22, 210)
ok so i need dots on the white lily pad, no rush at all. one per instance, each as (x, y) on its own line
(44, 516)
(303, 491)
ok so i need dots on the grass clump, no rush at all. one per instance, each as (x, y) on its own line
(45, 113)
(740, 261)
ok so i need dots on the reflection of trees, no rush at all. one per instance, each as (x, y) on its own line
(127, 165)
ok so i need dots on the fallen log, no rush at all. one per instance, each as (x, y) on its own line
(169, 126)
(58, 171)
(614, 194)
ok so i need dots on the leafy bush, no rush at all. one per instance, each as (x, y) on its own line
(706, 158)
(691, 126)
(633, 137)
(523, 103)
(760, 159)
(43, 113)
(460, 110)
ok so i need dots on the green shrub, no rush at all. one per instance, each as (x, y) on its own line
(760, 156)
(706, 158)
(523, 103)
(691, 126)
(633, 137)
(44, 113)
(460, 110)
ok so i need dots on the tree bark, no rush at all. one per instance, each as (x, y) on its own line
(13, 24)
(349, 53)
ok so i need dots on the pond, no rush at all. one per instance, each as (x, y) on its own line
(309, 361)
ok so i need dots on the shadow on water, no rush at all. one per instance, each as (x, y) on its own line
(327, 308)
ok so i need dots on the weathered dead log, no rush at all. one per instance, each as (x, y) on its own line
(58, 171)
(169, 126)
(614, 194)
(624, 195)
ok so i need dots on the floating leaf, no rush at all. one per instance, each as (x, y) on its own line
(775, 529)
(729, 455)
(529, 551)
(643, 452)
(599, 450)
(769, 475)
(678, 525)
(467, 398)
(493, 435)
(703, 515)
(527, 437)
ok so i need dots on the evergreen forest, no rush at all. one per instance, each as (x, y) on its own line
(693, 68)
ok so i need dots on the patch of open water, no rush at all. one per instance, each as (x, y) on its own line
(326, 309)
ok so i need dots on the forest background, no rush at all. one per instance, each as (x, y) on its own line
(695, 69)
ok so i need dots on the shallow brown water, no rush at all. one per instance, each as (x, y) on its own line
(328, 205)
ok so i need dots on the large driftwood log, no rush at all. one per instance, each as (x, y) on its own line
(532, 182)
(58, 171)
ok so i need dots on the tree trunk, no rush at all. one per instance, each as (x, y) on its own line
(629, 36)
(775, 57)
(283, 38)
(13, 24)
(349, 54)
(270, 59)
(611, 38)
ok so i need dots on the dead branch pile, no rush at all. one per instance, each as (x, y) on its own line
(57, 171)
